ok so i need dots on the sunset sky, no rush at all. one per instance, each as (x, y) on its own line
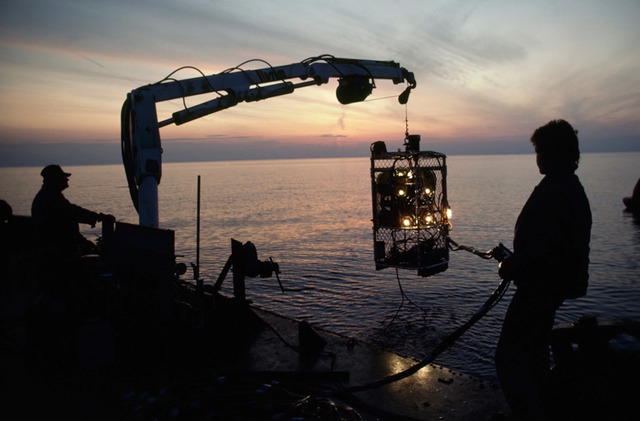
(488, 73)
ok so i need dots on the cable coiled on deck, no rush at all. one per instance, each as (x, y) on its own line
(499, 253)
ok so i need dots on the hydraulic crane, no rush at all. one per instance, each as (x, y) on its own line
(141, 145)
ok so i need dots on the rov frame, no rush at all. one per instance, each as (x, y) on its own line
(410, 208)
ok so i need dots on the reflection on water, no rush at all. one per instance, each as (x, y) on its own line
(314, 218)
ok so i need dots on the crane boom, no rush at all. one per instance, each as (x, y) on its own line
(141, 145)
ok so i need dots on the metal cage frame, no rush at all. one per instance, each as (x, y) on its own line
(410, 209)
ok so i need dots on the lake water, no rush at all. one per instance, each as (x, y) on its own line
(313, 217)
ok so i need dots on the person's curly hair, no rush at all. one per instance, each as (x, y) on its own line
(558, 142)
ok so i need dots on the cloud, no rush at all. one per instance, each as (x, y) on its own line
(341, 121)
(486, 70)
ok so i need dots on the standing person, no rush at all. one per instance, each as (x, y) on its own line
(52, 314)
(55, 223)
(549, 264)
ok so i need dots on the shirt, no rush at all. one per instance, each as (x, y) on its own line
(552, 236)
(56, 220)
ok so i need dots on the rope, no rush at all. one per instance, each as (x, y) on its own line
(482, 254)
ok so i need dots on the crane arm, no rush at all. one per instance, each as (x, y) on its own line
(141, 146)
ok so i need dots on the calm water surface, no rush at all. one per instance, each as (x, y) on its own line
(313, 217)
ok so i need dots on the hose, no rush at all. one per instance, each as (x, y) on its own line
(441, 347)
(128, 154)
(499, 253)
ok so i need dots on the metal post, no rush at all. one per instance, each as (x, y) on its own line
(237, 258)
(198, 228)
(199, 281)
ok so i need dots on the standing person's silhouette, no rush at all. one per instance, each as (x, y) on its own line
(549, 264)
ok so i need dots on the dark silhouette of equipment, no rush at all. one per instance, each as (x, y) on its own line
(410, 209)
(244, 260)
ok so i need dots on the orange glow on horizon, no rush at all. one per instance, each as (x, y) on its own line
(67, 68)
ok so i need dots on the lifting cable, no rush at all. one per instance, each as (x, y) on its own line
(499, 253)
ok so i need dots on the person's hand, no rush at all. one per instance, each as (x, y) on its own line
(509, 268)
(106, 217)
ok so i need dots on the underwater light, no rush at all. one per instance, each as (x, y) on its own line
(410, 210)
(406, 221)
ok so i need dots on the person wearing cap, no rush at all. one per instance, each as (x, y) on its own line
(51, 319)
(56, 221)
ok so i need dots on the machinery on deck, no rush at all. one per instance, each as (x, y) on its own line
(141, 145)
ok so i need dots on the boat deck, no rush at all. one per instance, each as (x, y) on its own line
(255, 368)
(434, 392)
